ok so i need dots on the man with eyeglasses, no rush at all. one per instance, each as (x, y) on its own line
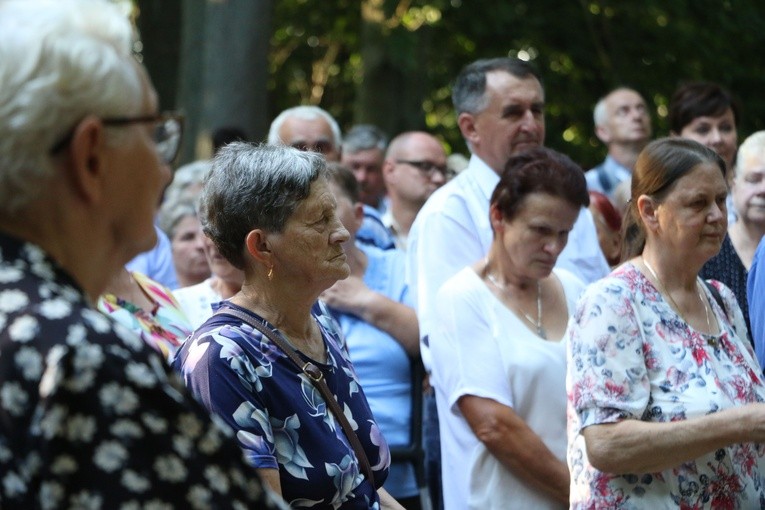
(414, 167)
(89, 415)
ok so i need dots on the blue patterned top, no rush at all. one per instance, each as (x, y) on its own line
(281, 420)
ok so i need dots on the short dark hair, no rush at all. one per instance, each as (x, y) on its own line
(699, 99)
(343, 177)
(658, 167)
(468, 90)
(539, 170)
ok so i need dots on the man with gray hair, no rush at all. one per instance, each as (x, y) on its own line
(310, 128)
(307, 128)
(500, 112)
(363, 152)
(89, 415)
(623, 124)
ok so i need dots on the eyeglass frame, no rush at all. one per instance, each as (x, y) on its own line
(160, 118)
(420, 165)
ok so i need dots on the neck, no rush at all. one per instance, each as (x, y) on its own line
(404, 213)
(673, 274)
(283, 306)
(625, 154)
(504, 276)
(70, 237)
(225, 288)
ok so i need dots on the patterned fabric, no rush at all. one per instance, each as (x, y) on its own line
(164, 328)
(632, 357)
(373, 231)
(727, 268)
(282, 422)
(88, 415)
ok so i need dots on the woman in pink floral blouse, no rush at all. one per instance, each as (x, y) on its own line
(664, 393)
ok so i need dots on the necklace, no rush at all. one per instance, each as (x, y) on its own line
(711, 340)
(538, 323)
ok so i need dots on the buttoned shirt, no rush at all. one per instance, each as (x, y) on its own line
(607, 176)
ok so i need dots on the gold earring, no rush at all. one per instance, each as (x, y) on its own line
(270, 273)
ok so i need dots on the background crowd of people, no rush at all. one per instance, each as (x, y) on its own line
(329, 320)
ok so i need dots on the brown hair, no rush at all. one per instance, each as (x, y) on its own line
(539, 170)
(699, 99)
(659, 166)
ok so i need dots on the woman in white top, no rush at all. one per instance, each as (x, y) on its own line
(498, 363)
(197, 301)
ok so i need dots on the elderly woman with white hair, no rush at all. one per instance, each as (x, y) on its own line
(89, 417)
(178, 219)
(731, 265)
(271, 362)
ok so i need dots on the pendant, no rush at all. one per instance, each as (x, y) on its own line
(541, 332)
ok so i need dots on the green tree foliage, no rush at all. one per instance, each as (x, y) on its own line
(391, 62)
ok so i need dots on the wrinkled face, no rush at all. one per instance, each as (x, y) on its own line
(718, 133)
(692, 218)
(188, 250)
(512, 121)
(310, 247)
(137, 178)
(219, 266)
(310, 135)
(533, 239)
(366, 166)
(416, 170)
(627, 119)
(748, 188)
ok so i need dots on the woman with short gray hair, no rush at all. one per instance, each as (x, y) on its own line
(262, 360)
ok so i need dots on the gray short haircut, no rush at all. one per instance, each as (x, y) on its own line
(173, 211)
(469, 89)
(61, 61)
(306, 112)
(185, 177)
(754, 143)
(363, 137)
(254, 187)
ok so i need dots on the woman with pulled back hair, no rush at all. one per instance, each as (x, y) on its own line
(665, 396)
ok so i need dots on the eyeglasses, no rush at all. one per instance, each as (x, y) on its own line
(428, 168)
(168, 128)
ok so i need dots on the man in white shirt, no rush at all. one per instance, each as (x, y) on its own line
(500, 111)
(623, 124)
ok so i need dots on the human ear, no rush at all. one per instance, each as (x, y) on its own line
(496, 219)
(258, 246)
(647, 209)
(85, 164)
(466, 123)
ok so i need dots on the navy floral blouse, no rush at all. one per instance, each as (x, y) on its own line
(281, 419)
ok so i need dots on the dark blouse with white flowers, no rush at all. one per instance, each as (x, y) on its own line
(281, 419)
(89, 416)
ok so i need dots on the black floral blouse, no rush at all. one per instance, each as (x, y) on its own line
(89, 415)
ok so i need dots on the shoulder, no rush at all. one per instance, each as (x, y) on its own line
(463, 285)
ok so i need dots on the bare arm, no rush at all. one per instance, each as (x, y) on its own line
(387, 502)
(633, 446)
(271, 478)
(397, 319)
(516, 446)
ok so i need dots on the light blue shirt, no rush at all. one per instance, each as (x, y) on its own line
(157, 263)
(755, 294)
(383, 365)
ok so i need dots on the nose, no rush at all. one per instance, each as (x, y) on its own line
(200, 241)
(714, 136)
(717, 213)
(340, 234)
(438, 177)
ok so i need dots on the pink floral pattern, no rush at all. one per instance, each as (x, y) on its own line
(630, 356)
